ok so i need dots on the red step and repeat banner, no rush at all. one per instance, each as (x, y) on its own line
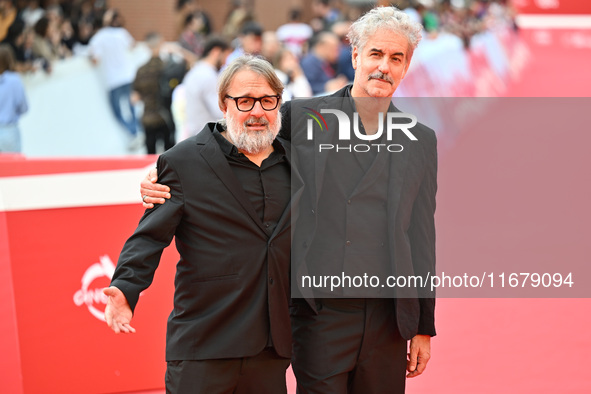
(552, 6)
(62, 226)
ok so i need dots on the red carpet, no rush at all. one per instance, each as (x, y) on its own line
(519, 196)
(559, 65)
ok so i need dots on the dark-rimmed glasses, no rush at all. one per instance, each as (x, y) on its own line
(245, 103)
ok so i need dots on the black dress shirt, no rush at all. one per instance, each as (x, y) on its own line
(268, 187)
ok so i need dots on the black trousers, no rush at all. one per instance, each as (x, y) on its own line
(263, 373)
(351, 346)
(153, 134)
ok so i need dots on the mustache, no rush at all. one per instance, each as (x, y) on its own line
(254, 119)
(380, 75)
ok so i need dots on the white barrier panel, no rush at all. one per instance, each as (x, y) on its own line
(60, 238)
(69, 112)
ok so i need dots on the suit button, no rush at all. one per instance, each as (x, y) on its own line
(271, 280)
(349, 202)
(348, 243)
(267, 225)
(312, 212)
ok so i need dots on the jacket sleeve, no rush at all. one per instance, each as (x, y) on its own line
(142, 251)
(285, 111)
(422, 233)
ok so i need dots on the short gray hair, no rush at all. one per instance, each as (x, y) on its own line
(390, 18)
(252, 63)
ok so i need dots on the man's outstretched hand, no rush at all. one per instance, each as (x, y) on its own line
(420, 348)
(118, 314)
(152, 192)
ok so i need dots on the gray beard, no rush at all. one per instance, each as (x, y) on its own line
(253, 142)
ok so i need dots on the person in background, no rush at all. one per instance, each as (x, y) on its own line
(287, 68)
(270, 46)
(67, 35)
(325, 15)
(54, 34)
(109, 48)
(200, 13)
(13, 102)
(8, 14)
(295, 34)
(32, 13)
(241, 12)
(200, 86)
(84, 19)
(192, 38)
(16, 37)
(156, 119)
(42, 46)
(317, 64)
(184, 8)
(250, 41)
(344, 65)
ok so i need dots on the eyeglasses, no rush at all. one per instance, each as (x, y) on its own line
(245, 103)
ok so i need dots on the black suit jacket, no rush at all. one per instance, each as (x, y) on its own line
(410, 209)
(232, 280)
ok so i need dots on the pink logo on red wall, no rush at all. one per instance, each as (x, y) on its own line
(96, 277)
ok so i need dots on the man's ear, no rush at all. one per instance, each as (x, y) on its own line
(354, 57)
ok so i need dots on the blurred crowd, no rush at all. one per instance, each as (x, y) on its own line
(41, 32)
(311, 56)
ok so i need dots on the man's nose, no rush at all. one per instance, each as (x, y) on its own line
(257, 110)
(383, 66)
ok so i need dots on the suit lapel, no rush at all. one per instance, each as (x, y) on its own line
(398, 172)
(398, 166)
(338, 100)
(320, 158)
(214, 157)
(297, 186)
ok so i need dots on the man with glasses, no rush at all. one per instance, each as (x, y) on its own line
(229, 330)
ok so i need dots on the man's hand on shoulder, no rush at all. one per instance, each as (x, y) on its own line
(152, 192)
(118, 313)
(420, 353)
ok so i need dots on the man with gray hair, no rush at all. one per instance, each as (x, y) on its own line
(229, 329)
(365, 212)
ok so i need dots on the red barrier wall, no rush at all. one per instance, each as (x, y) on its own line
(53, 264)
(552, 6)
